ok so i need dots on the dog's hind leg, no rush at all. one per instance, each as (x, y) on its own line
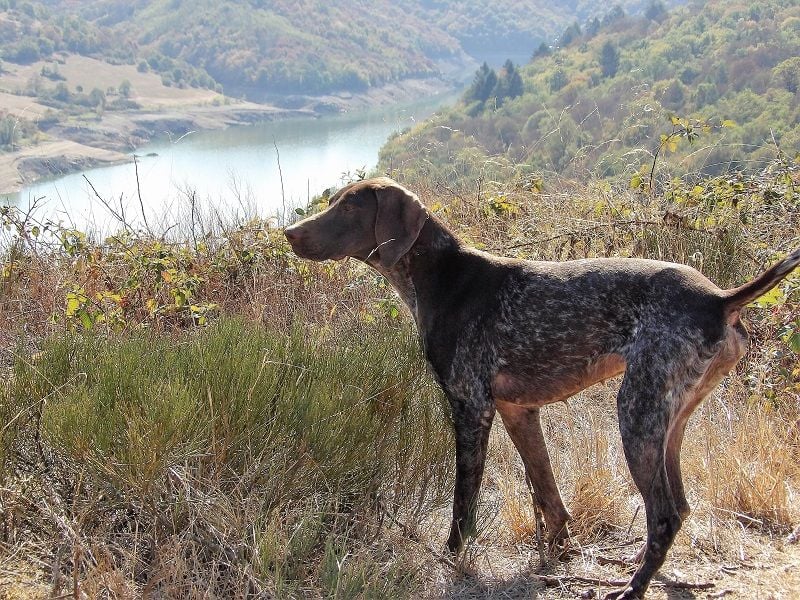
(525, 429)
(644, 407)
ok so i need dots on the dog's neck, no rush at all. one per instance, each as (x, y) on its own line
(409, 275)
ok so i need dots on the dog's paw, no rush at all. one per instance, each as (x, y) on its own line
(627, 593)
(559, 543)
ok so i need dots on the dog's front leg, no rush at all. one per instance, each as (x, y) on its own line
(472, 421)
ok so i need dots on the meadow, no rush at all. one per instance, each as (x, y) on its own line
(200, 414)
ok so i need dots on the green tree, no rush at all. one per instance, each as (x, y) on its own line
(655, 10)
(787, 74)
(483, 85)
(8, 131)
(571, 33)
(509, 83)
(542, 50)
(125, 88)
(62, 93)
(609, 59)
(558, 80)
(593, 27)
(615, 14)
(26, 52)
(97, 97)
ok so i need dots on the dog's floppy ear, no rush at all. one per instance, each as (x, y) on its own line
(399, 220)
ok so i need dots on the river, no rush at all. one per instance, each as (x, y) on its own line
(263, 169)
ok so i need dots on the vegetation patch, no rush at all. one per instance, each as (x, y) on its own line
(201, 410)
(596, 102)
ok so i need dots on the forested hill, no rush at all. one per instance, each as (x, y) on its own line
(283, 46)
(603, 100)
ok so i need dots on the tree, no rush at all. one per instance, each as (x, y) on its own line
(26, 52)
(483, 85)
(8, 131)
(615, 14)
(542, 50)
(593, 27)
(787, 74)
(62, 92)
(125, 88)
(558, 80)
(98, 99)
(655, 10)
(509, 84)
(609, 59)
(570, 34)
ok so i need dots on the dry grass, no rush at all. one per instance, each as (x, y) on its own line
(146, 88)
(736, 538)
(110, 517)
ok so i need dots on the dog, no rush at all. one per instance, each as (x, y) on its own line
(510, 336)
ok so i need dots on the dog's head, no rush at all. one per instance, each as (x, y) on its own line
(373, 220)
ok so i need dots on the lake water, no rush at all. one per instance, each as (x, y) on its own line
(235, 171)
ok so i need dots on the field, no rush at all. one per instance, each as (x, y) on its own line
(146, 88)
(205, 415)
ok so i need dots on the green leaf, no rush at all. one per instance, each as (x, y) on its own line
(794, 341)
(300, 211)
(86, 319)
(728, 123)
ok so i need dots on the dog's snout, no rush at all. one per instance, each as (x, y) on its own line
(292, 233)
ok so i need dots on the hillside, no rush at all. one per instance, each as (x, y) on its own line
(507, 25)
(254, 48)
(602, 102)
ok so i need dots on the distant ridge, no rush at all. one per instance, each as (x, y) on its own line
(281, 47)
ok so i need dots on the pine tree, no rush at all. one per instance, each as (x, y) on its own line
(483, 85)
(615, 14)
(513, 80)
(542, 50)
(593, 27)
(571, 33)
(655, 10)
(609, 59)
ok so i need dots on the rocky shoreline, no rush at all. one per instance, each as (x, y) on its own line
(112, 139)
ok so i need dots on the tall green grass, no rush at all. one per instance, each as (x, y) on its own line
(267, 460)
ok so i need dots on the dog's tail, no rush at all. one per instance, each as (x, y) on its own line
(736, 298)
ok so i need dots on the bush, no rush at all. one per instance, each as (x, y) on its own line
(276, 452)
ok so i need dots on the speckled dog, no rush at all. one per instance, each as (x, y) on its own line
(511, 336)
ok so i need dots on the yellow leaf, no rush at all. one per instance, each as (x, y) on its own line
(773, 297)
(72, 305)
(672, 144)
